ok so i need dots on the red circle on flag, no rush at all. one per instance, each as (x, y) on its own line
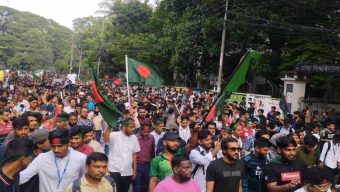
(144, 71)
(117, 81)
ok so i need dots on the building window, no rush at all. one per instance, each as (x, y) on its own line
(289, 88)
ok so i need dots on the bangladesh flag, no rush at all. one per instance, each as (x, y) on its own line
(237, 79)
(284, 105)
(35, 76)
(107, 109)
(44, 77)
(143, 73)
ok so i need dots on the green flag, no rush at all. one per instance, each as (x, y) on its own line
(143, 73)
(107, 109)
(35, 76)
(283, 105)
(44, 77)
(237, 79)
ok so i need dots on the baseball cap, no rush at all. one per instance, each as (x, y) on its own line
(39, 135)
(170, 136)
(171, 126)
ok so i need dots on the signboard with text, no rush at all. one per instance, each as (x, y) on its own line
(305, 68)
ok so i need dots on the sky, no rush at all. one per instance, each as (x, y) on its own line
(61, 11)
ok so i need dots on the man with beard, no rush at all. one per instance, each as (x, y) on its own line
(225, 174)
(17, 156)
(123, 151)
(160, 166)
(83, 120)
(261, 118)
(99, 123)
(285, 173)
(142, 116)
(94, 179)
(181, 180)
(33, 104)
(144, 157)
(158, 130)
(308, 151)
(255, 164)
(5, 122)
(57, 168)
(72, 120)
(203, 155)
(88, 139)
(20, 130)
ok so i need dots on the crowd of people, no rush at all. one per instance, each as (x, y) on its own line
(54, 139)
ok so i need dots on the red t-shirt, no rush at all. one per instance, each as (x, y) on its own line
(6, 128)
(85, 149)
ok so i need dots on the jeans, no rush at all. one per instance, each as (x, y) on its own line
(122, 182)
(141, 182)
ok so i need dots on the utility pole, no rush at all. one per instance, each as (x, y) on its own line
(71, 59)
(101, 45)
(219, 80)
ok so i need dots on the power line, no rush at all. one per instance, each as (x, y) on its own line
(288, 26)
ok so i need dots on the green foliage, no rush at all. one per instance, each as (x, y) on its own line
(31, 42)
(183, 38)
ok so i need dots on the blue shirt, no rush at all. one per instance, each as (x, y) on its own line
(88, 122)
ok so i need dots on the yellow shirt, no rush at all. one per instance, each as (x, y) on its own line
(104, 186)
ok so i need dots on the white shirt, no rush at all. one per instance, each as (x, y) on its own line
(332, 155)
(72, 78)
(69, 109)
(122, 147)
(239, 140)
(44, 165)
(99, 123)
(303, 189)
(157, 137)
(96, 146)
(201, 157)
(184, 133)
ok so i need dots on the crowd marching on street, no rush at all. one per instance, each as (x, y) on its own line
(54, 139)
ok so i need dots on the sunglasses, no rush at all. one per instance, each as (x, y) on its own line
(235, 148)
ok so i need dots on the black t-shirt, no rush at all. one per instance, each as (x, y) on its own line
(31, 185)
(283, 172)
(7, 184)
(254, 174)
(226, 176)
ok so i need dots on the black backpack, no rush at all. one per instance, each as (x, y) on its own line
(198, 166)
(328, 148)
(76, 184)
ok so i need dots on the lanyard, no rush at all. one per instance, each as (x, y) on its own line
(60, 177)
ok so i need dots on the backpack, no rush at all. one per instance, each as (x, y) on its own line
(198, 166)
(328, 148)
(76, 184)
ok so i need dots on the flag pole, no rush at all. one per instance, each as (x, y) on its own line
(127, 77)
(221, 91)
(8, 76)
